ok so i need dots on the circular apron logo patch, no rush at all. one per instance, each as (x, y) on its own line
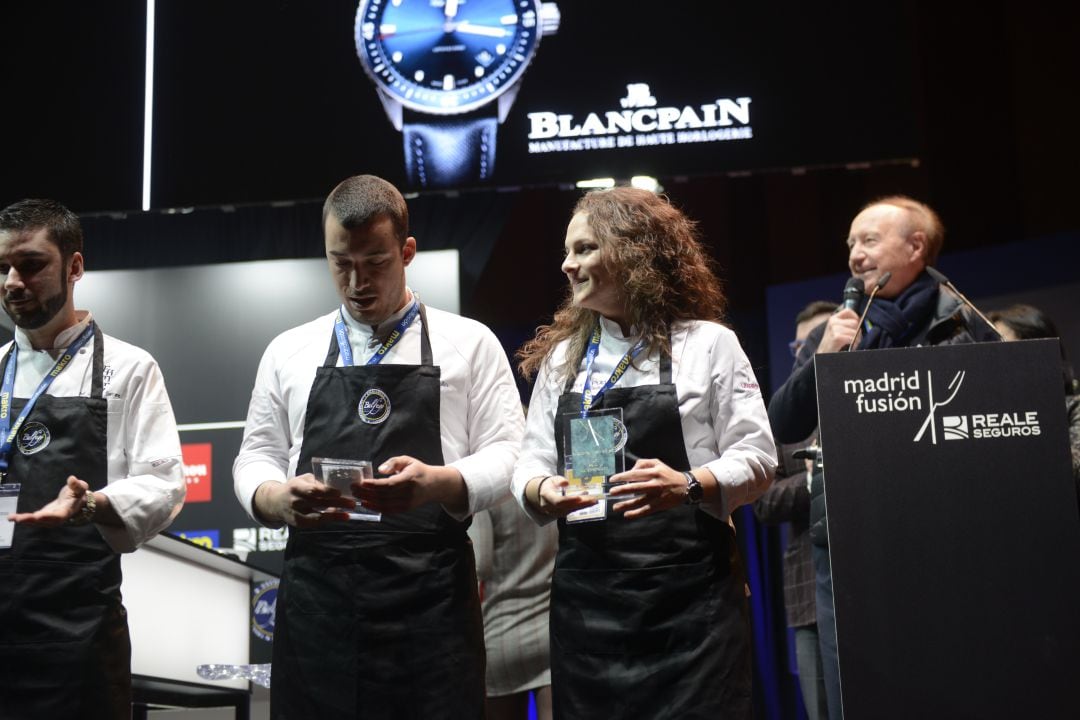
(33, 438)
(374, 406)
(264, 610)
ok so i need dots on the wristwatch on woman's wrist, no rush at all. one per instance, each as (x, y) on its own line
(694, 490)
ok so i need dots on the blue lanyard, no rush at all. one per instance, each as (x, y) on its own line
(588, 398)
(7, 391)
(345, 349)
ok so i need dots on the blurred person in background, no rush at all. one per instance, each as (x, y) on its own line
(1025, 322)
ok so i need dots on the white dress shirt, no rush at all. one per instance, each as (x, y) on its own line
(724, 423)
(480, 409)
(146, 482)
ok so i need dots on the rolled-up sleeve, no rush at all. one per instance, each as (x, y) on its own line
(266, 447)
(146, 475)
(747, 461)
(538, 452)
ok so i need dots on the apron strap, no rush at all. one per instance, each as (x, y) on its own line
(425, 341)
(98, 367)
(7, 356)
(426, 357)
(333, 352)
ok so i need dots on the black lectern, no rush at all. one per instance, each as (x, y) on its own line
(953, 532)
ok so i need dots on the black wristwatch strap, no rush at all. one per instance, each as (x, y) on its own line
(694, 491)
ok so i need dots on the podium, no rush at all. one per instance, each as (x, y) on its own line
(187, 606)
(954, 533)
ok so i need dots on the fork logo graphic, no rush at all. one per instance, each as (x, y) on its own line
(954, 387)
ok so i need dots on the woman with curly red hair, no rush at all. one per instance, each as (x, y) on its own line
(648, 610)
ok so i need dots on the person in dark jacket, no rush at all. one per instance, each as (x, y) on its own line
(788, 501)
(1025, 322)
(902, 237)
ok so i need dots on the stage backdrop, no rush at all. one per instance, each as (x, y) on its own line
(251, 101)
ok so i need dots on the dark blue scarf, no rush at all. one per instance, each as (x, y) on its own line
(892, 323)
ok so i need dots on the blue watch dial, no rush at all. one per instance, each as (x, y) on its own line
(446, 56)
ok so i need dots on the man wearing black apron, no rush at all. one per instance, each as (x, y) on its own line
(90, 460)
(378, 619)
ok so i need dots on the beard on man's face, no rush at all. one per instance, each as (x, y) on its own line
(41, 312)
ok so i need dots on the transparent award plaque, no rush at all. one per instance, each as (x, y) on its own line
(340, 474)
(594, 489)
(593, 452)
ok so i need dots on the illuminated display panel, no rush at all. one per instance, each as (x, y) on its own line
(257, 102)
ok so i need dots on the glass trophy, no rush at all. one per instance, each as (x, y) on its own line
(593, 451)
(258, 674)
(340, 474)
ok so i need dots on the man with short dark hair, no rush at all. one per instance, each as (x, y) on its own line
(379, 619)
(90, 458)
(899, 236)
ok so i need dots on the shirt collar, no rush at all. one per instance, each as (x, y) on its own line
(64, 338)
(611, 329)
(381, 330)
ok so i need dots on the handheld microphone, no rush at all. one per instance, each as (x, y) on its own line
(853, 293)
(940, 278)
(882, 282)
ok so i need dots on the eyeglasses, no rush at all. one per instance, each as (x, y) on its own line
(795, 346)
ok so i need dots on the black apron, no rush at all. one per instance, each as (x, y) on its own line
(64, 647)
(648, 616)
(381, 619)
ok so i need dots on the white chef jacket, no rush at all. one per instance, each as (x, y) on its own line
(724, 422)
(146, 482)
(480, 409)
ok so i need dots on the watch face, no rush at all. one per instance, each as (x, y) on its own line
(446, 56)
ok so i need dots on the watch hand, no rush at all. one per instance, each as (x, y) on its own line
(447, 27)
(450, 8)
(434, 30)
(485, 30)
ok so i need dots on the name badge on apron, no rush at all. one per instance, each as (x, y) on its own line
(9, 501)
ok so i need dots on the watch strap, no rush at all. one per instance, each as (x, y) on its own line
(450, 152)
(694, 490)
(86, 513)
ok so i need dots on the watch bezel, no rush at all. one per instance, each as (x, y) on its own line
(444, 102)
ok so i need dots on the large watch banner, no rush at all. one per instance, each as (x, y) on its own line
(284, 99)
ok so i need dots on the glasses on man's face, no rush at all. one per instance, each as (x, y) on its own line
(795, 346)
